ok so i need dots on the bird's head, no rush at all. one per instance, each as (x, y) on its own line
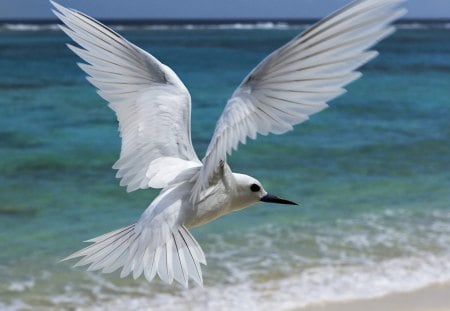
(249, 191)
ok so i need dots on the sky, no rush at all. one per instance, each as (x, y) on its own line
(191, 9)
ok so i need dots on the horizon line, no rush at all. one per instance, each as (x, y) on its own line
(207, 21)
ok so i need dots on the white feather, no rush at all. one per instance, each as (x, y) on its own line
(298, 79)
(147, 96)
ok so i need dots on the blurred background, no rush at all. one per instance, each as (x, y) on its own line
(371, 172)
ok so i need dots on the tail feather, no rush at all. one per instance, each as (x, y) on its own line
(109, 234)
(152, 260)
(116, 264)
(180, 266)
(194, 255)
(191, 243)
(129, 262)
(176, 256)
(103, 256)
(108, 261)
(165, 263)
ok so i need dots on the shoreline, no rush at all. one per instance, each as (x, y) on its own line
(430, 298)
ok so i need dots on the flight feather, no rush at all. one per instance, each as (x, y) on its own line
(152, 105)
(298, 79)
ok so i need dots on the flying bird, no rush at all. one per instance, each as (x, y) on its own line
(153, 108)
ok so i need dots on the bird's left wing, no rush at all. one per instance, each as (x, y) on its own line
(298, 79)
(152, 105)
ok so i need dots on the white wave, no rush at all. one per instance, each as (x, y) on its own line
(413, 26)
(308, 287)
(260, 26)
(119, 27)
(14, 305)
(219, 26)
(420, 26)
(273, 267)
(28, 27)
(249, 271)
(246, 26)
(20, 286)
(239, 278)
(235, 26)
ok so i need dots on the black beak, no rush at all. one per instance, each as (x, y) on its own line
(274, 199)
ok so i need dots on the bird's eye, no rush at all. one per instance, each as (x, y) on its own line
(255, 188)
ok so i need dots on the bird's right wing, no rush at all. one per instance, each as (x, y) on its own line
(152, 105)
(298, 79)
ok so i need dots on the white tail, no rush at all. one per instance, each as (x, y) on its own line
(178, 257)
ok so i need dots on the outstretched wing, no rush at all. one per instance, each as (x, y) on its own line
(299, 78)
(151, 103)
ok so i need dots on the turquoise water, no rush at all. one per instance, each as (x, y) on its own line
(372, 175)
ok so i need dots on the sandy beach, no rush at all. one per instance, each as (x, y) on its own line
(432, 298)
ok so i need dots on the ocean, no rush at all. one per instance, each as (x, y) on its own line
(371, 174)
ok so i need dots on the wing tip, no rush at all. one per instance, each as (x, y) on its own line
(401, 12)
(61, 9)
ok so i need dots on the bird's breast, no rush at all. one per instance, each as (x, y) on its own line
(210, 207)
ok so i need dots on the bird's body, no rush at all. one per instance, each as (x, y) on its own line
(226, 194)
(153, 108)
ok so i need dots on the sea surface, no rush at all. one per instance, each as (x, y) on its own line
(371, 174)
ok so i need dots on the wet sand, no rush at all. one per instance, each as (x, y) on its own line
(433, 298)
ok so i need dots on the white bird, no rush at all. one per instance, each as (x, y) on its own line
(153, 108)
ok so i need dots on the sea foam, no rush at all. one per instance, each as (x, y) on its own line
(308, 287)
(268, 25)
